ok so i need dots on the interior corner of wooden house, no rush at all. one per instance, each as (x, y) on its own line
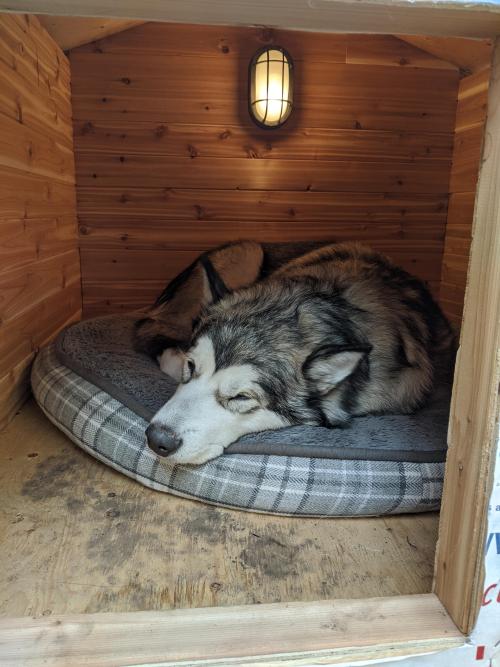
(126, 151)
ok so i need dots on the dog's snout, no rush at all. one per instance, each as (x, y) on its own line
(162, 440)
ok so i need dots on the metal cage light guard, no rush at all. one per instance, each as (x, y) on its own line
(270, 87)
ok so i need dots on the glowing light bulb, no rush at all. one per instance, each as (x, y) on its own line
(270, 87)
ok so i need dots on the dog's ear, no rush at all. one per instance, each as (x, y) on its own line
(216, 285)
(229, 268)
(328, 366)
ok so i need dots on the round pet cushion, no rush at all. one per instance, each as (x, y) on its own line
(96, 389)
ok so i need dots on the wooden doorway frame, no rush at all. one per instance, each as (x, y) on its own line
(331, 631)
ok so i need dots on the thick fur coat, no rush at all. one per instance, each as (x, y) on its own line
(327, 335)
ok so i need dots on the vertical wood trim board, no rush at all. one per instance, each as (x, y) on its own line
(471, 119)
(168, 162)
(39, 261)
(475, 402)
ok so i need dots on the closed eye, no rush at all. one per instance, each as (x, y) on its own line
(242, 403)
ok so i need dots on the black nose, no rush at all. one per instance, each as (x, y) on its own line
(162, 440)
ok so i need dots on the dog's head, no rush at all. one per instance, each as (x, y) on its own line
(255, 364)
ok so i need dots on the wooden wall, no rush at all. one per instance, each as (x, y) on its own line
(168, 162)
(471, 119)
(39, 262)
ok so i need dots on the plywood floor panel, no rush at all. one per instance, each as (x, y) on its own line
(78, 537)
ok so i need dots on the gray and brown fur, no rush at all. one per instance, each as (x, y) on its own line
(341, 309)
(169, 322)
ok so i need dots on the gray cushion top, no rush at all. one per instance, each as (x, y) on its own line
(101, 351)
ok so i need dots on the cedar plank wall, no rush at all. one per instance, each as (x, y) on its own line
(471, 118)
(168, 162)
(39, 264)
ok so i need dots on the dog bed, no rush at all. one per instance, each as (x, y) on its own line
(100, 392)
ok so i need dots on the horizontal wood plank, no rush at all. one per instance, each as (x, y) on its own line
(109, 170)
(22, 289)
(51, 59)
(27, 150)
(129, 233)
(247, 632)
(26, 195)
(255, 205)
(143, 138)
(402, 115)
(27, 240)
(34, 81)
(37, 60)
(15, 384)
(38, 325)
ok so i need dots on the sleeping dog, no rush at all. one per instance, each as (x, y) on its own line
(266, 337)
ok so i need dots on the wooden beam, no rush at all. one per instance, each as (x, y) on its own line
(474, 412)
(470, 55)
(336, 630)
(371, 16)
(70, 31)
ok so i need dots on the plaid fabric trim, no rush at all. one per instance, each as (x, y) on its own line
(300, 486)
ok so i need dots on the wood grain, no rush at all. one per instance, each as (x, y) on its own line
(39, 261)
(25, 195)
(280, 635)
(468, 144)
(27, 240)
(167, 165)
(273, 635)
(236, 141)
(208, 206)
(82, 538)
(34, 78)
(473, 429)
(472, 100)
(405, 17)
(70, 32)
(469, 55)
(102, 169)
(328, 95)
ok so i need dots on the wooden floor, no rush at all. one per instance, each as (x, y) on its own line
(78, 537)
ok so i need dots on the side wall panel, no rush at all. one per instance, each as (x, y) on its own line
(471, 119)
(39, 262)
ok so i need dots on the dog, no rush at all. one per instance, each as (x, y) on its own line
(328, 335)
